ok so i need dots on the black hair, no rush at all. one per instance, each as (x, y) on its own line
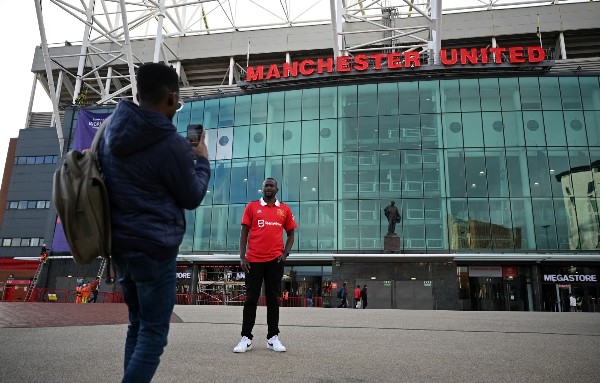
(272, 179)
(155, 81)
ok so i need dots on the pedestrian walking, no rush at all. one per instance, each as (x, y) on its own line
(357, 297)
(343, 295)
(152, 174)
(262, 256)
(309, 297)
(572, 303)
(363, 296)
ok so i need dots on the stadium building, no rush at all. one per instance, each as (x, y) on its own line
(481, 123)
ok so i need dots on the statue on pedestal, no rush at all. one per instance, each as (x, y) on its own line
(393, 216)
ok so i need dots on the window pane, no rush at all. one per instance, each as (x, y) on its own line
(327, 176)
(455, 173)
(590, 92)
(328, 102)
(348, 129)
(469, 96)
(545, 230)
(493, 129)
(497, 177)
(490, 94)
(412, 173)
(276, 107)
(218, 235)
(539, 173)
(429, 96)
(453, 128)
(550, 93)
(434, 226)
(450, 96)
(310, 132)
(389, 174)
(257, 140)
(13, 205)
(368, 175)
(410, 132)
(308, 235)
(22, 205)
(569, 91)
(368, 135)
(274, 169)
(408, 97)
(367, 100)
(241, 141)
(259, 108)
(349, 175)
(208, 200)
(534, 129)
(31, 204)
(432, 171)
(566, 227)
(226, 111)
(458, 224)
(347, 101)
(413, 228)
(522, 216)
(292, 137)
(293, 105)
(516, 165)
(348, 228)
(479, 223)
(509, 94)
(502, 232)
(224, 143)
(592, 122)
(222, 182)
(291, 179)
(211, 114)
(36, 241)
(309, 173)
(513, 129)
(233, 228)
(559, 169)
(476, 174)
(6, 242)
(555, 129)
(369, 225)
(328, 136)
(431, 131)
(327, 224)
(473, 134)
(575, 127)
(30, 160)
(256, 176)
(25, 242)
(274, 139)
(310, 104)
(580, 161)
(587, 223)
(530, 93)
(48, 159)
(388, 98)
(242, 110)
(16, 242)
(239, 180)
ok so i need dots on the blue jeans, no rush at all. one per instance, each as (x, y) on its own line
(149, 291)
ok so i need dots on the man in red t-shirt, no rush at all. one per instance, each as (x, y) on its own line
(262, 255)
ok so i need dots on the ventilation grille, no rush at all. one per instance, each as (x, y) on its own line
(42, 119)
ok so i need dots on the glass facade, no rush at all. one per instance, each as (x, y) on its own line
(490, 164)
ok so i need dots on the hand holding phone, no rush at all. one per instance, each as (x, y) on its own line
(196, 137)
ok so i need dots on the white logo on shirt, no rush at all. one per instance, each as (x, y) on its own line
(258, 211)
(262, 223)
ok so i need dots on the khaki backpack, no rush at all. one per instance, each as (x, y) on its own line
(81, 200)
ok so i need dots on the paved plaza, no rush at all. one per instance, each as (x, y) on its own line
(49, 342)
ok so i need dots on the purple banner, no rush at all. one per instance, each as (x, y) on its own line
(87, 126)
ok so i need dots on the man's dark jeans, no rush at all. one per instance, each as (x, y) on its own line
(271, 272)
(149, 291)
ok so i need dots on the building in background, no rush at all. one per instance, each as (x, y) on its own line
(485, 130)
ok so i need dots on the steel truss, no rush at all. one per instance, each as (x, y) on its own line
(107, 62)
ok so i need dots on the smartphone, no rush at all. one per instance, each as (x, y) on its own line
(194, 134)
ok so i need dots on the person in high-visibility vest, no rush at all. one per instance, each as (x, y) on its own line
(85, 293)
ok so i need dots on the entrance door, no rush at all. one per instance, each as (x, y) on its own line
(514, 297)
(562, 297)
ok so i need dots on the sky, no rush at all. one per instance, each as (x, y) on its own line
(19, 44)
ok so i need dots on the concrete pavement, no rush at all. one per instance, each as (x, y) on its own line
(324, 345)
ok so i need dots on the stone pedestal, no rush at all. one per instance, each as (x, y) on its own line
(391, 243)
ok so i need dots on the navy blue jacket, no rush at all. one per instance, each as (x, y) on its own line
(151, 178)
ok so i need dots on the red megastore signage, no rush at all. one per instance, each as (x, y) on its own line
(395, 61)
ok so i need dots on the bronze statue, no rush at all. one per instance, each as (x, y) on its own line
(393, 216)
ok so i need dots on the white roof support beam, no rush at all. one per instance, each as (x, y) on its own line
(128, 53)
(337, 10)
(436, 31)
(84, 48)
(159, 34)
(48, 64)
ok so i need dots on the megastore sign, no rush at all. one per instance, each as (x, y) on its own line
(570, 278)
(395, 61)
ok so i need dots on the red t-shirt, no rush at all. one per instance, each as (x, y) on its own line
(267, 223)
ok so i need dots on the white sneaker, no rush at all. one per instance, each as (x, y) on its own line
(244, 345)
(275, 344)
